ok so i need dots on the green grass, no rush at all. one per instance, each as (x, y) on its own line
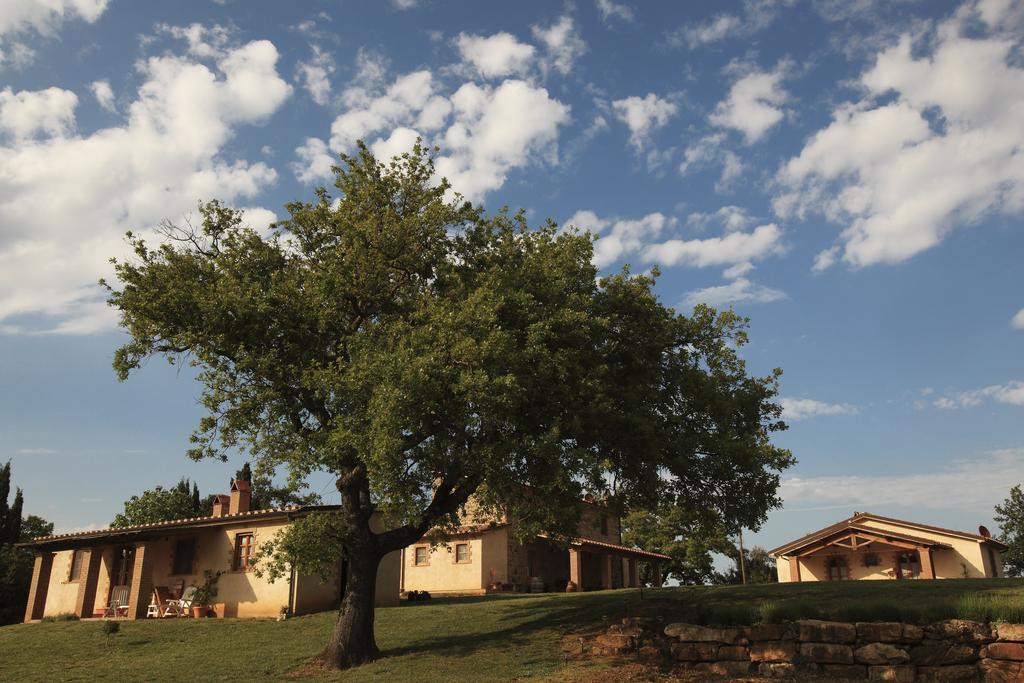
(493, 638)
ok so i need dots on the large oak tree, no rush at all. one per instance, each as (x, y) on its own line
(420, 350)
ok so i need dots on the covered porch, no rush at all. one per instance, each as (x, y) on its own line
(864, 553)
(587, 565)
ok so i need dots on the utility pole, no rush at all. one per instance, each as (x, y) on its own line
(743, 561)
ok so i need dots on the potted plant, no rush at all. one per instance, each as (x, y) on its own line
(205, 593)
(284, 613)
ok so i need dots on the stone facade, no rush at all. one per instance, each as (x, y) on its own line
(952, 650)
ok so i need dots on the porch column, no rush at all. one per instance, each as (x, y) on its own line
(794, 568)
(634, 576)
(574, 568)
(141, 591)
(40, 584)
(657, 574)
(927, 564)
(87, 584)
(606, 571)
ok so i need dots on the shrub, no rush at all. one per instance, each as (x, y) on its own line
(66, 616)
(110, 628)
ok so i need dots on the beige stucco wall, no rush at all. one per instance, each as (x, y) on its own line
(494, 566)
(964, 562)
(239, 593)
(443, 574)
(61, 594)
(965, 559)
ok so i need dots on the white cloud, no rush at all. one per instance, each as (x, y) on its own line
(973, 484)
(1011, 393)
(205, 42)
(400, 141)
(754, 104)
(613, 10)
(711, 31)
(169, 153)
(734, 247)
(46, 16)
(804, 408)
(315, 75)
(406, 96)
(484, 131)
(314, 161)
(1018, 320)
(825, 259)
(404, 4)
(643, 115)
(936, 143)
(495, 56)
(36, 451)
(729, 217)
(739, 291)
(738, 270)
(562, 45)
(624, 238)
(27, 113)
(104, 95)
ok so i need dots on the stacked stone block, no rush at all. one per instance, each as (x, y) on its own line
(952, 650)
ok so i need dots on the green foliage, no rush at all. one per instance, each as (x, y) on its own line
(688, 536)
(10, 515)
(760, 567)
(160, 505)
(314, 543)
(15, 563)
(418, 350)
(109, 628)
(1010, 518)
(64, 616)
(207, 590)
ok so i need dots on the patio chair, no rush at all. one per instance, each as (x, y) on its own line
(118, 603)
(163, 605)
(184, 603)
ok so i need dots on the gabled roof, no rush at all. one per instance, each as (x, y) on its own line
(857, 523)
(174, 524)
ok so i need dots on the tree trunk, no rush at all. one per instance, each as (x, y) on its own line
(352, 641)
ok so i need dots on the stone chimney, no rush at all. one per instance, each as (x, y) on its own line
(241, 496)
(220, 505)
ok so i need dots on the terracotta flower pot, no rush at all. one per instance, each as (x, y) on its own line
(199, 612)
(571, 587)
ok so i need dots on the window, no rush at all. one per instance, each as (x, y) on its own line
(604, 525)
(76, 565)
(871, 560)
(243, 552)
(184, 555)
(421, 557)
(837, 569)
(462, 553)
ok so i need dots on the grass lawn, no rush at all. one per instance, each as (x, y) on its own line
(493, 638)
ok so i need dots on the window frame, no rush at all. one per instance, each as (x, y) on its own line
(76, 563)
(192, 560)
(416, 556)
(240, 562)
(469, 556)
(841, 567)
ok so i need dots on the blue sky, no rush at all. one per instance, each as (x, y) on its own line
(850, 175)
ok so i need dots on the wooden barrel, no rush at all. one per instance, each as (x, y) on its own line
(536, 584)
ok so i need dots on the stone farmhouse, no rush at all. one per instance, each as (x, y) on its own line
(868, 546)
(115, 572)
(485, 557)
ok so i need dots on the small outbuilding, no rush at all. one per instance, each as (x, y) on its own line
(868, 546)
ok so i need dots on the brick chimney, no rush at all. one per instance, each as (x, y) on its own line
(220, 505)
(241, 496)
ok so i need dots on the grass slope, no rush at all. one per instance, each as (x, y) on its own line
(499, 637)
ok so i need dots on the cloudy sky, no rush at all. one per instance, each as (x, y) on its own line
(847, 173)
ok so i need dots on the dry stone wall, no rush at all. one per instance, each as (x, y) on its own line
(953, 650)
